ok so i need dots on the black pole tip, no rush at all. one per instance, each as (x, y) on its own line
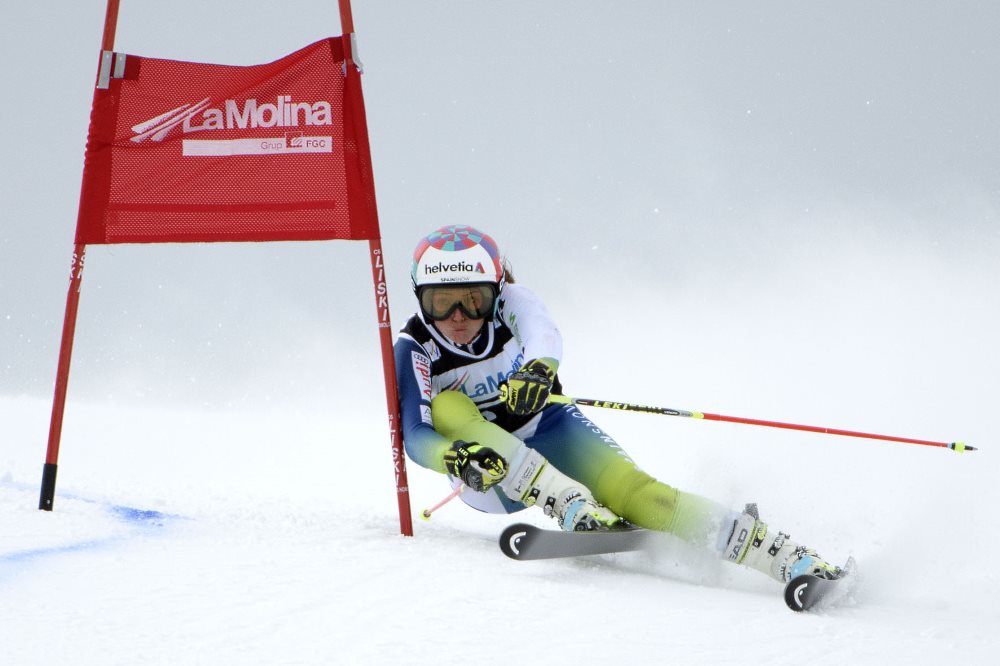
(48, 487)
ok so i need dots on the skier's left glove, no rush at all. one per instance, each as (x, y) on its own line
(527, 390)
(479, 467)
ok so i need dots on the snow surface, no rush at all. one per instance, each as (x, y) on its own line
(251, 538)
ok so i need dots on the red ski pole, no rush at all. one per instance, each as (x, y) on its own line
(665, 411)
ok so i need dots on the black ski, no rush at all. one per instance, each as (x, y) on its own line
(805, 593)
(527, 542)
(521, 541)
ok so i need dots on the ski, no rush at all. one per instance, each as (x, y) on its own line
(811, 593)
(521, 541)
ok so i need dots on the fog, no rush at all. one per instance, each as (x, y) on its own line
(785, 211)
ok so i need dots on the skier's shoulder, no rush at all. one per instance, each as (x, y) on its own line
(516, 296)
(414, 332)
(520, 307)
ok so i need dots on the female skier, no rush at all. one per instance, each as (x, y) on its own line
(476, 366)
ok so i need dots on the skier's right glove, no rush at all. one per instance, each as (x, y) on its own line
(479, 467)
(527, 390)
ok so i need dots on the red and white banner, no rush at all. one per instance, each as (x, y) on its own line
(182, 152)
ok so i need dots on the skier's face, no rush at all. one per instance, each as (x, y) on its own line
(459, 328)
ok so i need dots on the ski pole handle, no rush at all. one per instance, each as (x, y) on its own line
(426, 513)
(960, 447)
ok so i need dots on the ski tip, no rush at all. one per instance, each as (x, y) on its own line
(798, 592)
(512, 540)
(808, 592)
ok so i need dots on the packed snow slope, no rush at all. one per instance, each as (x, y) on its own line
(262, 538)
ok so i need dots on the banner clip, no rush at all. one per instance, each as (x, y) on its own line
(107, 72)
(354, 54)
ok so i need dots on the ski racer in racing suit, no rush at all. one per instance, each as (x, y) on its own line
(476, 366)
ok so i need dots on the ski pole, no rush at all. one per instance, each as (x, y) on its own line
(426, 513)
(960, 447)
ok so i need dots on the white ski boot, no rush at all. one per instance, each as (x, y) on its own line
(532, 480)
(749, 543)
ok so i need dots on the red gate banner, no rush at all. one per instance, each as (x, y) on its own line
(189, 152)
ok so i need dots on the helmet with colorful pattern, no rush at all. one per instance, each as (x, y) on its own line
(457, 256)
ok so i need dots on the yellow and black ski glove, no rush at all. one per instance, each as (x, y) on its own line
(479, 467)
(527, 389)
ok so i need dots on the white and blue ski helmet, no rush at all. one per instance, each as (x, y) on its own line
(457, 255)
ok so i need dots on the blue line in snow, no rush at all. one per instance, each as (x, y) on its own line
(144, 521)
(142, 517)
(20, 556)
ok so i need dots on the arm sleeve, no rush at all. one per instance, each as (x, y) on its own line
(529, 319)
(424, 445)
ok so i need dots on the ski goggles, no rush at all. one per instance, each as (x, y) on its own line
(439, 301)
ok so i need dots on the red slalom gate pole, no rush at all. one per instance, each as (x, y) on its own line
(48, 490)
(353, 75)
(960, 447)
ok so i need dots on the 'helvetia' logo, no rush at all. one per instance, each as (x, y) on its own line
(201, 116)
(459, 267)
